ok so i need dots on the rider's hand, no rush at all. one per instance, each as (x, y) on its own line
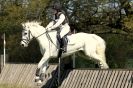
(48, 29)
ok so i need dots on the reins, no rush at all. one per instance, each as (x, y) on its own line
(48, 36)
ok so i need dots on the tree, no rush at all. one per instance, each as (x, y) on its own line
(85, 13)
(11, 17)
(127, 7)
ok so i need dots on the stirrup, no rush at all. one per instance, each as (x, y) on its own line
(63, 49)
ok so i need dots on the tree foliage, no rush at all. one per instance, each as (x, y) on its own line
(12, 14)
(96, 12)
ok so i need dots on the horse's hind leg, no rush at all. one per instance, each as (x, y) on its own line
(102, 63)
(98, 56)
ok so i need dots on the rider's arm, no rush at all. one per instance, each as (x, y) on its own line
(58, 23)
(50, 24)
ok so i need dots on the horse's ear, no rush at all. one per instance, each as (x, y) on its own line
(22, 24)
(39, 22)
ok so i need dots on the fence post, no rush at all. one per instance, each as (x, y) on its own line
(73, 56)
(1, 63)
(3, 56)
(4, 50)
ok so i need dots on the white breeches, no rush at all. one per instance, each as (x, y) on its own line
(64, 30)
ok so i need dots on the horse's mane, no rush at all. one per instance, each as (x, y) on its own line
(32, 23)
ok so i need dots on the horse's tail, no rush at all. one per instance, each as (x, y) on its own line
(101, 47)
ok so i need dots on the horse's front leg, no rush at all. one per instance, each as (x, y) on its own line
(42, 66)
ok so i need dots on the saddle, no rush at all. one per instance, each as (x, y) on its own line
(62, 43)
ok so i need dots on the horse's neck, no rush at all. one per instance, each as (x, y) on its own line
(44, 40)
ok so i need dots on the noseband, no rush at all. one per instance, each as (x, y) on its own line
(28, 39)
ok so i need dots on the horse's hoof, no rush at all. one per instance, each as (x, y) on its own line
(39, 83)
(37, 79)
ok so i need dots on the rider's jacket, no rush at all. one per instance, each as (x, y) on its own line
(57, 17)
(59, 21)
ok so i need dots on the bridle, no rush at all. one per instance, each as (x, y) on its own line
(47, 34)
(27, 40)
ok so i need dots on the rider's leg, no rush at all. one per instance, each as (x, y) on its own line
(61, 41)
(64, 31)
(64, 44)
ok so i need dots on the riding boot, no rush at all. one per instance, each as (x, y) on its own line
(64, 45)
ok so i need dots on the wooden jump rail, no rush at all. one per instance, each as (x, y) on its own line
(97, 78)
(24, 74)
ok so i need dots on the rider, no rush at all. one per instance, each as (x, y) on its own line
(59, 23)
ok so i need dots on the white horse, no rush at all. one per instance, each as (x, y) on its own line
(92, 45)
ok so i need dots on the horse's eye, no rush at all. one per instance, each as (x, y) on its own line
(25, 33)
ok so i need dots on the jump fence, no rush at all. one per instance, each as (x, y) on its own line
(24, 75)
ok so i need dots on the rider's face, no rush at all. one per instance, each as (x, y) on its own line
(54, 11)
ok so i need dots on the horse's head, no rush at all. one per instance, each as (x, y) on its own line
(30, 30)
(26, 35)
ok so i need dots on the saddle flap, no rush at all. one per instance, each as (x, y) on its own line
(70, 40)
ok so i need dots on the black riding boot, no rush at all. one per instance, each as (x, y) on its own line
(63, 44)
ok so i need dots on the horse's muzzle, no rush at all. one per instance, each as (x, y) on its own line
(23, 44)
